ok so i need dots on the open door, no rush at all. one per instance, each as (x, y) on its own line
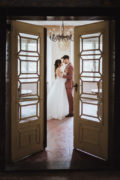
(91, 76)
(27, 89)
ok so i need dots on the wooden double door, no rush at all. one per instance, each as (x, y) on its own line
(28, 89)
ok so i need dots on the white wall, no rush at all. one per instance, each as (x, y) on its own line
(55, 52)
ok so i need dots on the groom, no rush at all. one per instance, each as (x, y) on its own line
(69, 83)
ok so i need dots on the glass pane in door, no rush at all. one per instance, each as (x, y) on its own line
(28, 77)
(91, 49)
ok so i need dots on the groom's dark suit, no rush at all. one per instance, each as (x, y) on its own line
(69, 86)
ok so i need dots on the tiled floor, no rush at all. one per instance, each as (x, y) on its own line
(59, 142)
(59, 153)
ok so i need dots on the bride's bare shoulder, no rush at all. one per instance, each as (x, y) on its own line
(58, 70)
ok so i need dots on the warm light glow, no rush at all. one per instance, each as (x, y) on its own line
(63, 35)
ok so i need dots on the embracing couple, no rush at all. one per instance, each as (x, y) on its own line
(60, 99)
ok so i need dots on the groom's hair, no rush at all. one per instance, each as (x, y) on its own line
(65, 57)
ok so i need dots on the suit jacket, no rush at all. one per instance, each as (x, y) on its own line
(69, 76)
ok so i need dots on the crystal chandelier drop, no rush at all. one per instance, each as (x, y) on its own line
(61, 36)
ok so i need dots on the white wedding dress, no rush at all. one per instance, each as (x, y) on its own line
(57, 101)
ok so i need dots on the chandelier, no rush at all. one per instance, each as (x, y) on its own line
(62, 36)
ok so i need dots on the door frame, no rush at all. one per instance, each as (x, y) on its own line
(114, 78)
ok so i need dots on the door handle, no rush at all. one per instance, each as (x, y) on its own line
(75, 86)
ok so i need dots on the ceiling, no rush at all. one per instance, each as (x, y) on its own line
(58, 23)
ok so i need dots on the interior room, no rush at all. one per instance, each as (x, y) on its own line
(59, 145)
(85, 145)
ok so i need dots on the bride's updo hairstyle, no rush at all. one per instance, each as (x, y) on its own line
(57, 63)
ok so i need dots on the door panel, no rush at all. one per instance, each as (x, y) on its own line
(27, 83)
(91, 98)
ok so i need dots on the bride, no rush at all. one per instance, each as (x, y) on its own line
(57, 101)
